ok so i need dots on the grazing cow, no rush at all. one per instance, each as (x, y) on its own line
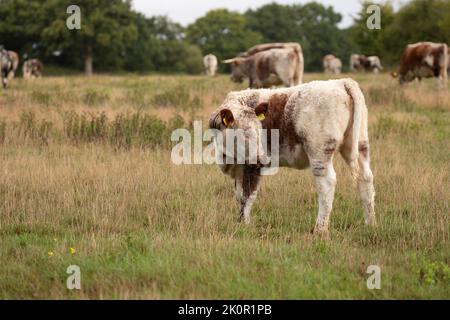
(32, 69)
(374, 64)
(210, 63)
(315, 120)
(269, 65)
(269, 46)
(359, 62)
(15, 63)
(423, 60)
(6, 65)
(331, 64)
(448, 62)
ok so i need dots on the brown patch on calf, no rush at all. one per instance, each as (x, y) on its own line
(364, 149)
(250, 180)
(274, 115)
(330, 147)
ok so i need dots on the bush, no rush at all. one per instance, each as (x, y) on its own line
(124, 131)
(2, 132)
(33, 129)
(387, 125)
(93, 97)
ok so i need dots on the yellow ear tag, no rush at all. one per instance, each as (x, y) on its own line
(261, 116)
(225, 121)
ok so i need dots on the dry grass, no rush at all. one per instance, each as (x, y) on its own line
(145, 228)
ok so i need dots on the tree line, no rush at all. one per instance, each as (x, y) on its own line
(114, 37)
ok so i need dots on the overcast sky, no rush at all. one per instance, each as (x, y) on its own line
(187, 11)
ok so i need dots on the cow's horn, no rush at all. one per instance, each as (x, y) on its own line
(229, 60)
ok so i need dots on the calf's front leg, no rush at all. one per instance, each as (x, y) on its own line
(247, 185)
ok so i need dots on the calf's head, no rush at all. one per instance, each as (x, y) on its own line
(240, 136)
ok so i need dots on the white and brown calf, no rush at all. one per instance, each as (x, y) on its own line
(316, 121)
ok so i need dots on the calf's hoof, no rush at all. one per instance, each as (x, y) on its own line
(320, 230)
(371, 223)
(245, 220)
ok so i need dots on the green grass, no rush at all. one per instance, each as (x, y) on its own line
(145, 228)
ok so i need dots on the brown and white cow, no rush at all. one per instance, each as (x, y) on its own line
(15, 63)
(210, 63)
(424, 60)
(268, 46)
(269, 65)
(32, 69)
(374, 64)
(332, 64)
(359, 62)
(448, 63)
(315, 121)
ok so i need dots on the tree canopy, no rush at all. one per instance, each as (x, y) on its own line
(115, 37)
(222, 33)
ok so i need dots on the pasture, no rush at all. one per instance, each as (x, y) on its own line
(85, 164)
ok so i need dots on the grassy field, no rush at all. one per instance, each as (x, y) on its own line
(85, 164)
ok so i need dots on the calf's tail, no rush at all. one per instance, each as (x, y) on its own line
(359, 106)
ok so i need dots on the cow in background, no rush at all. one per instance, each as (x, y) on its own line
(210, 63)
(374, 64)
(6, 66)
(359, 62)
(15, 63)
(424, 60)
(32, 68)
(448, 63)
(332, 64)
(269, 65)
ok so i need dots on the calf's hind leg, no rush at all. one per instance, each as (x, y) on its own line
(364, 179)
(365, 184)
(325, 183)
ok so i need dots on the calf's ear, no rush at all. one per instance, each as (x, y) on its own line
(261, 110)
(227, 117)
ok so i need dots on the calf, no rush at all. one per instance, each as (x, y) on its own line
(315, 121)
